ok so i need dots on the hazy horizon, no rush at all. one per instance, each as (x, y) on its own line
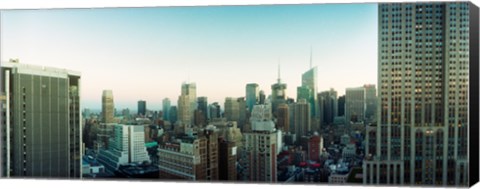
(147, 53)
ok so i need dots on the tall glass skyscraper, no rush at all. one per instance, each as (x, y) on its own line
(309, 79)
(108, 106)
(421, 136)
(251, 92)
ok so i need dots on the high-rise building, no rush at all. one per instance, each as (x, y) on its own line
(341, 105)
(315, 147)
(252, 95)
(231, 109)
(227, 159)
(329, 107)
(421, 135)
(166, 103)
(142, 107)
(126, 146)
(279, 95)
(41, 121)
(242, 112)
(202, 103)
(354, 105)
(184, 114)
(173, 114)
(370, 103)
(304, 92)
(309, 79)
(190, 90)
(283, 118)
(107, 106)
(261, 146)
(261, 97)
(302, 118)
(215, 111)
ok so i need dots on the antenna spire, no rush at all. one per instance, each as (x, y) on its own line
(279, 81)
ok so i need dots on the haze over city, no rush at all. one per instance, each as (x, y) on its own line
(147, 53)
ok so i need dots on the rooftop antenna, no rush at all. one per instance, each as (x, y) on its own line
(311, 57)
(279, 81)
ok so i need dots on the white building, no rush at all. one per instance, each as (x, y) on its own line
(127, 146)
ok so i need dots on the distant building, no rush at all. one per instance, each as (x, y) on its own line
(302, 118)
(173, 114)
(107, 106)
(341, 105)
(202, 104)
(329, 107)
(41, 132)
(184, 114)
(309, 79)
(215, 111)
(231, 109)
(355, 105)
(370, 103)
(279, 95)
(261, 97)
(166, 104)
(252, 95)
(127, 146)
(142, 107)
(190, 91)
(283, 118)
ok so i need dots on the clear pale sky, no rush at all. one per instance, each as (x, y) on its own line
(146, 53)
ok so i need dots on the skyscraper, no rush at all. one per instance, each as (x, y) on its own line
(184, 115)
(214, 110)
(302, 118)
(107, 106)
(354, 105)
(190, 90)
(261, 97)
(421, 135)
(142, 107)
(252, 95)
(283, 118)
(309, 79)
(203, 107)
(261, 146)
(41, 125)
(166, 103)
(278, 93)
(341, 105)
(329, 106)
(231, 109)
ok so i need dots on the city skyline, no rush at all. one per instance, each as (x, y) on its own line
(197, 44)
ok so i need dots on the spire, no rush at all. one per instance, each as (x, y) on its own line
(311, 57)
(278, 80)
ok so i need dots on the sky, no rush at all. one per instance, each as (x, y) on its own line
(147, 53)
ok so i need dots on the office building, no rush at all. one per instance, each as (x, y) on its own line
(261, 97)
(166, 104)
(184, 114)
(126, 146)
(329, 106)
(354, 105)
(190, 91)
(341, 105)
(302, 118)
(173, 114)
(370, 103)
(252, 95)
(309, 79)
(231, 109)
(227, 159)
(283, 118)
(107, 106)
(202, 106)
(41, 121)
(142, 108)
(421, 135)
(214, 110)
(279, 95)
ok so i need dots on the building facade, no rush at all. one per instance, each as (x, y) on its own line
(421, 137)
(108, 106)
(41, 121)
